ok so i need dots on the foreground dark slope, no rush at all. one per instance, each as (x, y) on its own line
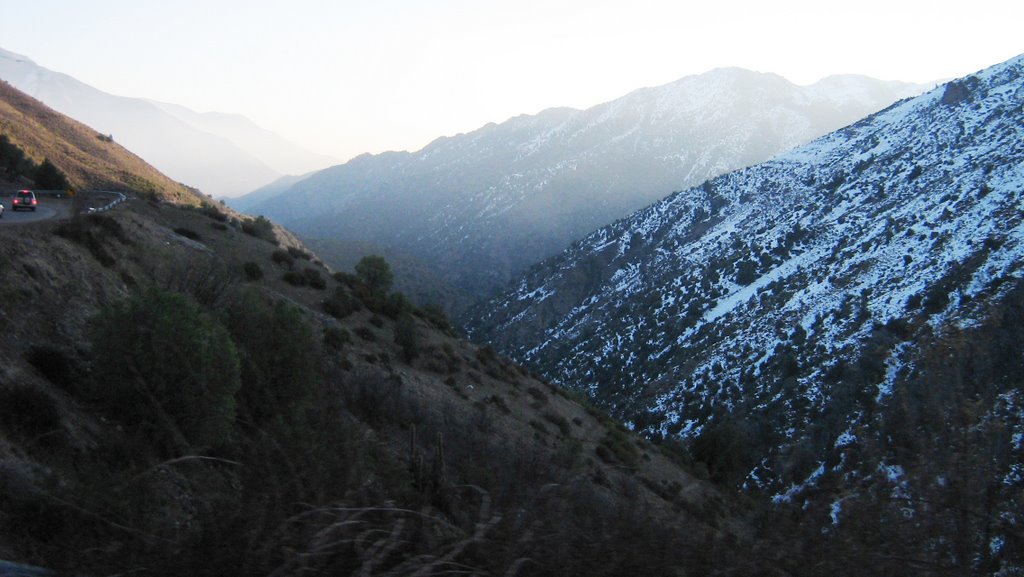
(478, 208)
(835, 327)
(174, 400)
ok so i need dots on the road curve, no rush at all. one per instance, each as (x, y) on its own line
(51, 207)
(47, 209)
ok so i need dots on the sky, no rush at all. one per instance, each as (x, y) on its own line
(344, 77)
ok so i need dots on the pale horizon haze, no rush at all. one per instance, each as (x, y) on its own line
(343, 78)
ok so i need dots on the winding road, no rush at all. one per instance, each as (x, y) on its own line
(52, 207)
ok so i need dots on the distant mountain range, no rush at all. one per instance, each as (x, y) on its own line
(479, 208)
(838, 327)
(220, 154)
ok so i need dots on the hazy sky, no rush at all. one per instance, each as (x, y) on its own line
(344, 77)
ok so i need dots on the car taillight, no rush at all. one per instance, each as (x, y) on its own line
(34, 201)
(15, 201)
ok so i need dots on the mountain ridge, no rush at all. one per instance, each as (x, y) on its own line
(813, 325)
(483, 205)
(189, 146)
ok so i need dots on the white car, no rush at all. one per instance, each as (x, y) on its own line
(1, 210)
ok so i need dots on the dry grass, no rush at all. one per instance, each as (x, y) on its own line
(89, 161)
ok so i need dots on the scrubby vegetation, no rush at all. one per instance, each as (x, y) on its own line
(206, 425)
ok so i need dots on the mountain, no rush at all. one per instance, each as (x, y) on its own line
(275, 151)
(267, 191)
(480, 207)
(89, 159)
(838, 327)
(188, 391)
(223, 155)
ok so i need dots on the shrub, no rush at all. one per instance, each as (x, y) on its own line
(396, 305)
(297, 252)
(282, 257)
(337, 337)
(48, 177)
(12, 159)
(366, 333)
(315, 279)
(346, 278)
(375, 273)
(295, 278)
(435, 315)
(342, 304)
(487, 355)
(252, 271)
(166, 370)
(279, 356)
(260, 227)
(213, 212)
(559, 421)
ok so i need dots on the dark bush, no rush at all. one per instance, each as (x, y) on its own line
(435, 315)
(48, 177)
(341, 304)
(315, 279)
(279, 356)
(281, 257)
(295, 278)
(487, 355)
(261, 228)
(396, 305)
(725, 449)
(13, 161)
(366, 333)
(252, 271)
(346, 278)
(297, 252)
(375, 272)
(337, 337)
(165, 370)
(214, 213)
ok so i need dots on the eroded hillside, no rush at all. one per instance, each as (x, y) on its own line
(787, 318)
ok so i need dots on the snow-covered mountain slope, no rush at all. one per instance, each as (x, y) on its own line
(823, 319)
(482, 206)
(219, 154)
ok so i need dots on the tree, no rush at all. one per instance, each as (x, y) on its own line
(48, 177)
(166, 370)
(375, 272)
(279, 357)
(12, 159)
